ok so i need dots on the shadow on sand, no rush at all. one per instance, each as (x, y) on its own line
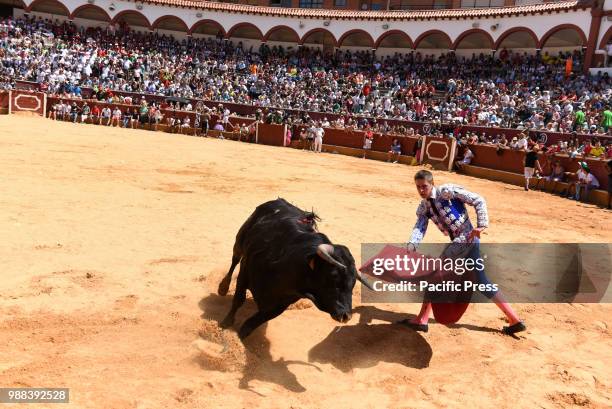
(259, 364)
(369, 313)
(362, 345)
(366, 344)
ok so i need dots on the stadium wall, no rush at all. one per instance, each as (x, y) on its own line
(492, 28)
(248, 43)
(605, 32)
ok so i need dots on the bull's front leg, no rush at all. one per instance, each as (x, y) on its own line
(260, 317)
(237, 301)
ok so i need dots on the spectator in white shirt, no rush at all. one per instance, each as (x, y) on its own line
(185, 125)
(586, 180)
(521, 144)
(318, 138)
(468, 155)
(116, 117)
(106, 116)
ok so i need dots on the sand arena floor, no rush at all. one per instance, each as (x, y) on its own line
(114, 241)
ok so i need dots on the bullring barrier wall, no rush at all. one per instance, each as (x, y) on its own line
(440, 152)
(168, 113)
(420, 127)
(27, 101)
(509, 160)
(4, 102)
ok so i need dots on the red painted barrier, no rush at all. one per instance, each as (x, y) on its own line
(509, 160)
(4, 101)
(439, 152)
(548, 138)
(342, 137)
(271, 134)
(21, 100)
(382, 143)
(168, 113)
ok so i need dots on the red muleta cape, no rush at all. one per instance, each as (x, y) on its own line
(445, 312)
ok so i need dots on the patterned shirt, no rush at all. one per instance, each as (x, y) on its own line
(450, 213)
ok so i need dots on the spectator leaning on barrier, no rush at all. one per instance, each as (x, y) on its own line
(303, 137)
(586, 180)
(310, 136)
(522, 143)
(127, 118)
(243, 133)
(106, 116)
(66, 107)
(95, 114)
(556, 176)
(468, 155)
(159, 117)
(74, 113)
(143, 111)
(85, 111)
(513, 143)
(152, 115)
(288, 136)
(597, 151)
(185, 125)
(135, 115)
(53, 114)
(116, 117)
(395, 151)
(532, 165)
(197, 120)
(205, 121)
(368, 137)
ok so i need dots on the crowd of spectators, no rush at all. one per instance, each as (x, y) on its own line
(543, 165)
(573, 147)
(530, 92)
(151, 116)
(357, 90)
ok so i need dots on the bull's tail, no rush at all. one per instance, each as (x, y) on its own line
(225, 283)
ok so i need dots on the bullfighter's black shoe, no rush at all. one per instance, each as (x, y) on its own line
(414, 326)
(513, 329)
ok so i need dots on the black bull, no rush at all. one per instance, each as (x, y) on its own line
(283, 258)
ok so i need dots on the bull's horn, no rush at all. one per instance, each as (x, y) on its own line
(364, 282)
(325, 252)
